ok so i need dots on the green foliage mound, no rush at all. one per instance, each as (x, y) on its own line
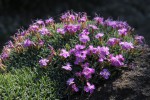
(53, 60)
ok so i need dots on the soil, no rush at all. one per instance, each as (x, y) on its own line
(131, 85)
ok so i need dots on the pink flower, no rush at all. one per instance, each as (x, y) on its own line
(61, 31)
(72, 28)
(84, 38)
(39, 22)
(85, 65)
(117, 60)
(87, 72)
(82, 19)
(10, 44)
(126, 45)
(101, 60)
(75, 88)
(123, 32)
(67, 67)
(93, 27)
(43, 62)
(116, 24)
(99, 20)
(40, 43)
(84, 32)
(49, 21)
(4, 55)
(111, 23)
(99, 35)
(139, 39)
(103, 51)
(27, 43)
(113, 41)
(105, 73)
(79, 47)
(72, 17)
(64, 53)
(92, 50)
(34, 28)
(79, 60)
(44, 31)
(89, 88)
(81, 54)
(68, 16)
(70, 81)
(64, 17)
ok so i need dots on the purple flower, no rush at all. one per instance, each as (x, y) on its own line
(91, 50)
(81, 54)
(82, 19)
(64, 17)
(126, 45)
(61, 31)
(72, 17)
(89, 88)
(4, 55)
(75, 88)
(49, 21)
(93, 27)
(117, 60)
(79, 60)
(27, 43)
(111, 23)
(72, 51)
(39, 22)
(103, 51)
(84, 38)
(116, 24)
(24, 33)
(105, 73)
(72, 28)
(64, 53)
(139, 39)
(34, 28)
(69, 16)
(70, 81)
(85, 65)
(67, 67)
(44, 31)
(84, 32)
(123, 32)
(77, 50)
(10, 44)
(40, 43)
(87, 72)
(113, 41)
(101, 60)
(79, 47)
(43, 62)
(99, 35)
(99, 20)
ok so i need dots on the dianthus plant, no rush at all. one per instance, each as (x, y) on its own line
(87, 51)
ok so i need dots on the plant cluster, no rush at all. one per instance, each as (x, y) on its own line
(84, 51)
